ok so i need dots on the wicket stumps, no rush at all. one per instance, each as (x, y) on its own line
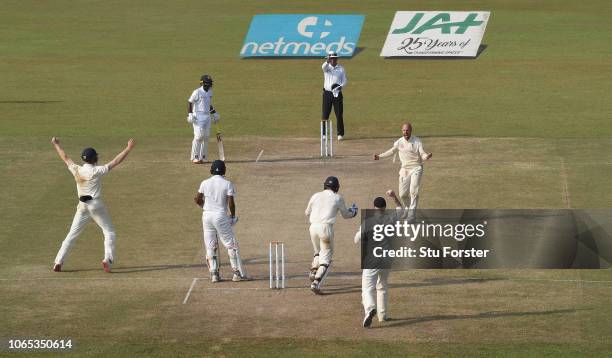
(327, 138)
(277, 280)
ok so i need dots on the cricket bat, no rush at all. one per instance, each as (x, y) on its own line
(220, 142)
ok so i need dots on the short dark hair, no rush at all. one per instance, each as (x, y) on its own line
(380, 203)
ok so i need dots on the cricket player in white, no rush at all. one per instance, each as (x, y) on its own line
(89, 188)
(374, 281)
(322, 210)
(215, 196)
(412, 155)
(200, 112)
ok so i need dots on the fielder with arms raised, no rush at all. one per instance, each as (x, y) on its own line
(412, 155)
(200, 112)
(215, 196)
(322, 210)
(374, 281)
(89, 188)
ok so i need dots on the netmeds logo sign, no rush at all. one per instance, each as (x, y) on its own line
(302, 35)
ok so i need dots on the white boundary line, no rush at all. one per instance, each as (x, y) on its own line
(193, 282)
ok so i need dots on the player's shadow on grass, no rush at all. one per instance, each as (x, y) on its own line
(339, 289)
(312, 158)
(132, 269)
(276, 160)
(399, 322)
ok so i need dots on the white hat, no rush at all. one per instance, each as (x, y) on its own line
(332, 54)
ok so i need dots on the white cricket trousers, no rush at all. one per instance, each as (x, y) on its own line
(201, 133)
(374, 291)
(322, 237)
(217, 227)
(409, 185)
(96, 210)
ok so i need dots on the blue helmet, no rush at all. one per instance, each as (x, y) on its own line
(217, 167)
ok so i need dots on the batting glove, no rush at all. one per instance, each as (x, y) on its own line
(191, 117)
(353, 209)
(216, 116)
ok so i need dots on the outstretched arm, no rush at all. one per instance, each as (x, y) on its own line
(388, 153)
(121, 156)
(60, 151)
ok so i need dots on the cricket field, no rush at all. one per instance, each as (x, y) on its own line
(526, 124)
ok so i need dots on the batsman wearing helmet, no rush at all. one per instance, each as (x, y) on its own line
(88, 179)
(322, 210)
(200, 113)
(216, 197)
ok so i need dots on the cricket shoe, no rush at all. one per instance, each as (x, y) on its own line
(107, 265)
(237, 277)
(340, 138)
(314, 287)
(57, 268)
(215, 277)
(367, 321)
(312, 275)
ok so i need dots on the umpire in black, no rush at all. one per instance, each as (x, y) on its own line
(334, 80)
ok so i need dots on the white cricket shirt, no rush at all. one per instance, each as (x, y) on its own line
(324, 206)
(201, 100)
(333, 75)
(88, 178)
(216, 189)
(411, 152)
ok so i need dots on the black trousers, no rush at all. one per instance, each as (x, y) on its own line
(328, 101)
